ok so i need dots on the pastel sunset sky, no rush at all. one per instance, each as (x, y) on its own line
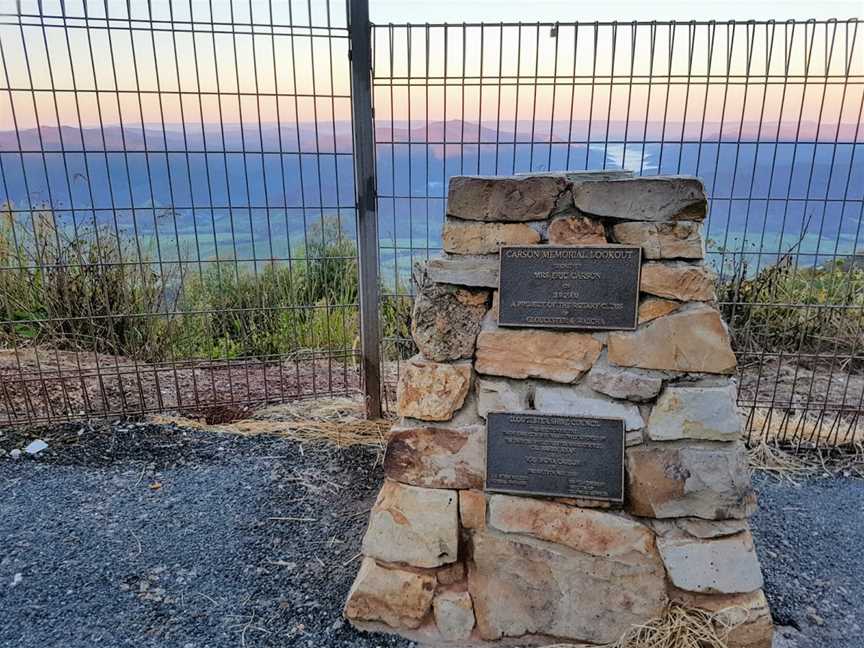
(495, 74)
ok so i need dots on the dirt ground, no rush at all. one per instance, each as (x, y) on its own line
(51, 385)
(47, 384)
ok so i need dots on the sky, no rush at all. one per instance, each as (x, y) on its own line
(150, 77)
(623, 10)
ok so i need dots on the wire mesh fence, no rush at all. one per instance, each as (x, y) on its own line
(177, 213)
(767, 113)
(177, 200)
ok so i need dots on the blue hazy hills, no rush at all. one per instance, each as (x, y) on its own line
(254, 191)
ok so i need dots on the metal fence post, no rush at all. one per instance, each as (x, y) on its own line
(360, 53)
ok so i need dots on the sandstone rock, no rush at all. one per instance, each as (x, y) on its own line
(578, 177)
(501, 395)
(696, 528)
(431, 391)
(678, 280)
(633, 437)
(454, 615)
(586, 503)
(437, 457)
(580, 401)
(464, 270)
(709, 481)
(651, 308)
(660, 198)
(398, 598)
(720, 566)
(693, 339)
(747, 615)
(464, 417)
(417, 526)
(576, 230)
(472, 509)
(521, 198)
(709, 413)
(521, 585)
(675, 240)
(467, 237)
(620, 382)
(446, 319)
(562, 357)
(589, 531)
(451, 574)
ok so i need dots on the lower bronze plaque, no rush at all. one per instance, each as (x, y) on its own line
(553, 286)
(561, 456)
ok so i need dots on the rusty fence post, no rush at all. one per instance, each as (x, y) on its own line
(360, 52)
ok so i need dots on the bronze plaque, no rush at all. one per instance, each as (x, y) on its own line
(569, 287)
(559, 456)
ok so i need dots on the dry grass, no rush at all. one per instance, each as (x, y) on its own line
(789, 445)
(679, 627)
(338, 421)
(791, 464)
(793, 427)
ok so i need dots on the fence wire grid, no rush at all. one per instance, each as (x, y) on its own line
(768, 114)
(177, 205)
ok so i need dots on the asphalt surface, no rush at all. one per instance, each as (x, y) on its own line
(141, 535)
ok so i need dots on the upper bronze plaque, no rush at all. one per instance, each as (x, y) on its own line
(569, 287)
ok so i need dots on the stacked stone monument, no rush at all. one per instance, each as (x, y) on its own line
(461, 549)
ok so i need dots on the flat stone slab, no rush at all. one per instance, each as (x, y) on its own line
(708, 413)
(674, 240)
(446, 318)
(454, 615)
(694, 339)
(470, 237)
(678, 280)
(576, 230)
(720, 566)
(704, 480)
(415, 526)
(432, 391)
(650, 308)
(638, 385)
(590, 531)
(561, 357)
(579, 401)
(502, 395)
(465, 270)
(659, 198)
(398, 598)
(505, 198)
(521, 585)
(437, 457)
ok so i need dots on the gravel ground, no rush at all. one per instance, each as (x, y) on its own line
(140, 535)
(810, 541)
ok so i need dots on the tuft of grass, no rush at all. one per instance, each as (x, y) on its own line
(79, 289)
(336, 421)
(677, 627)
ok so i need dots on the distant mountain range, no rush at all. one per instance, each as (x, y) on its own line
(768, 193)
(327, 137)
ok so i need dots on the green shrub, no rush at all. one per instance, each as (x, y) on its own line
(309, 304)
(808, 310)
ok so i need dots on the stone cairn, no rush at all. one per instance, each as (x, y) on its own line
(448, 563)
